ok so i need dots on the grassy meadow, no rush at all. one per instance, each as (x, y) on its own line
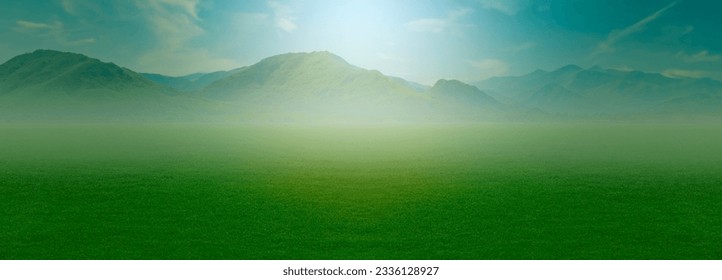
(486, 191)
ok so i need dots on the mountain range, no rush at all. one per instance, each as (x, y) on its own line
(572, 90)
(321, 86)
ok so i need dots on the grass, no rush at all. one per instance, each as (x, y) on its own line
(515, 191)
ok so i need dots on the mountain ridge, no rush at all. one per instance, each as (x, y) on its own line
(64, 71)
(47, 84)
(324, 86)
(612, 92)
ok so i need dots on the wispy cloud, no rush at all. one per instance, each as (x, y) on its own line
(84, 7)
(617, 35)
(683, 73)
(283, 16)
(438, 25)
(29, 25)
(175, 23)
(189, 7)
(68, 6)
(55, 29)
(509, 7)
(702, 56)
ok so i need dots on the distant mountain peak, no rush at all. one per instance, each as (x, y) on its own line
(324, 57)
(48, 55)
(451, 83)
(54, 52)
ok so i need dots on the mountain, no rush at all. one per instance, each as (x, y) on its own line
(323, 87)
(414, 85)
(190, 83)
(319, 85)
(559, 99)
(572, 90)
(50, 84)
(320, 74)
(47, 70)
(454, 91)
(467, 102)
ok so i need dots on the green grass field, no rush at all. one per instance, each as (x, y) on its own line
(493, 191)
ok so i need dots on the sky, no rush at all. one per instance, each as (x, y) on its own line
(419, 40)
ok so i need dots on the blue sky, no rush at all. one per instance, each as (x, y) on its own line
(419, 40)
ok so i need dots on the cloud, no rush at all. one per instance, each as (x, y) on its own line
(490, 67)
(68, 6)
(682, 73)
(55, 30)
(509, 7)
(90, 8)
(617, 35)
(286, 24)
(189, 7)
(283, 16)
(175, 24)
(702, 56)
(84, 41)
(29, 25)
(173, 21)
(250, 21)
(438, 25)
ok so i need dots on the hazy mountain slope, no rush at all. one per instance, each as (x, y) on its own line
(56, 85)
(177, 83)
(318, 84)
(302, 75)
(559, 99)
(321, 86)
(599, 91)
(467, 102)
(454, 91)
(517, 89)
(192, 82)
(414, 85)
